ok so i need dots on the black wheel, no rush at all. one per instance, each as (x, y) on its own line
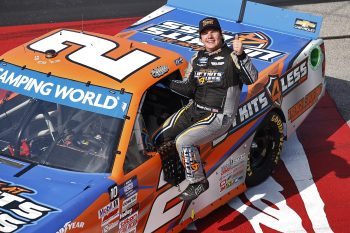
(265, 150)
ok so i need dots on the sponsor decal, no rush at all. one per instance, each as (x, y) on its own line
(128, 212)
(280, 86)
(253, 108)
(110, 208)
(159, 71)
(232, 163)
(277, 120)
(274, 89)
(128, 193)
(110, 227)
(255, 43)
(129, 223)
(273, 93)
(188, 159)
(17, 210)
(232, 171)
(228, 181)
(207, 22)
(129, 202)
(175, 33)
(4, 186)
(304, 104)
(203, 61)
(198, 190)
(111, 218)
(71, 226)
(305, 25)
(208, 76)
(179, 61)
(46, 61)
(109, 214)
(129, 188)
(294, 77)
(214, 63)
(64, 91)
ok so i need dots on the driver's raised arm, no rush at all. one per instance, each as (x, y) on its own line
(248, 74)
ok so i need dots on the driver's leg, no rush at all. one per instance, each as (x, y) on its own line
(173, 126)
(203, 131)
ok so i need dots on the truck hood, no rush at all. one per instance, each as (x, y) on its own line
(44, 183)
(34, 197)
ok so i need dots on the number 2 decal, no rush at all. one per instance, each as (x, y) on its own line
(92, 53)
(160, 215)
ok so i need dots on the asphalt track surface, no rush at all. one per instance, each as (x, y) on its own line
(309, 192)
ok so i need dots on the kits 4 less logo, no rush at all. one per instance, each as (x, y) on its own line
(274, 89)
(255, 43)
(16, 210)
(281, 86)
(273, 93)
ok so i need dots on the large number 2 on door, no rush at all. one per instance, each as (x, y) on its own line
(92, 53)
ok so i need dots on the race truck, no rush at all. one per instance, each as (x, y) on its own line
(78, 109)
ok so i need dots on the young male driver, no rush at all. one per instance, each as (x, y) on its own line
(213, 81)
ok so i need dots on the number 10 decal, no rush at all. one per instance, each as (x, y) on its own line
(92, 53)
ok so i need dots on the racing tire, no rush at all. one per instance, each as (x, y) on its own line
(265, 150)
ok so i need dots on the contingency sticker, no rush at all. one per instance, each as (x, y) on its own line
(232, 171)
(129, 188)
(109, 215)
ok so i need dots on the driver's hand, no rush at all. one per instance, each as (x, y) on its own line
(237, 46)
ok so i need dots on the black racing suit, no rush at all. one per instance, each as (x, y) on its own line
(213, 81)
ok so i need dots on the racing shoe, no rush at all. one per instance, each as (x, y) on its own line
(194, 190)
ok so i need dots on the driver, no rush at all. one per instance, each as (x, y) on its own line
(213, 81)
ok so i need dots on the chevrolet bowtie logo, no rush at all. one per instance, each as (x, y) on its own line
(305, 25)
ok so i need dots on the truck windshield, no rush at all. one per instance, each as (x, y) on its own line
(56, 135)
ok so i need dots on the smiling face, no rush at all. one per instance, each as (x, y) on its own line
(212, 39)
